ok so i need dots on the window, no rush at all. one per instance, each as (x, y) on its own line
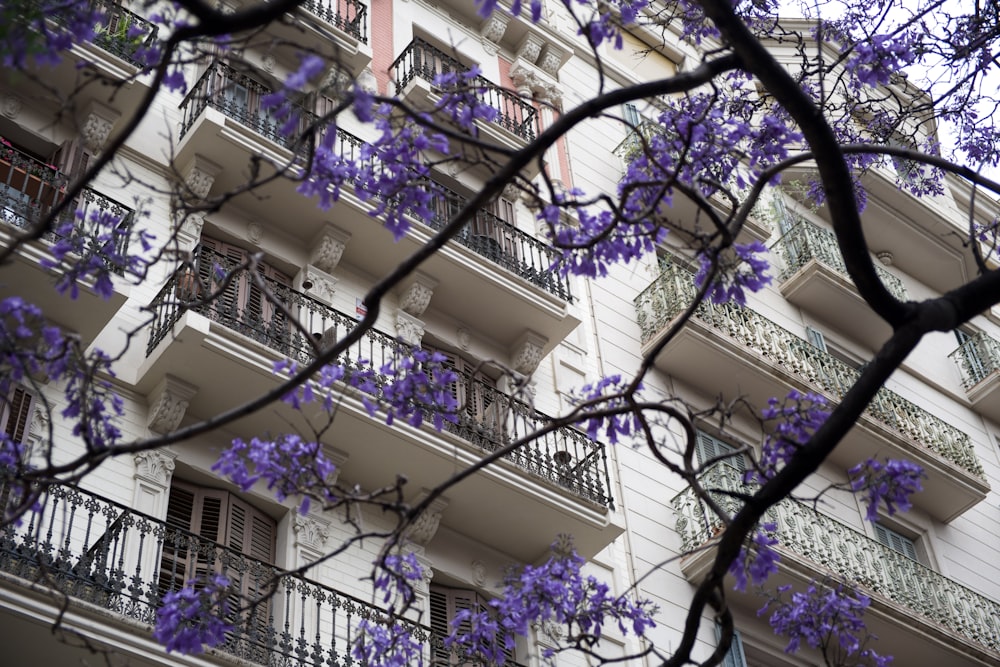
(243, 305)
(816, 338)
(630, 113)
(708, 447)
(477, 395)
(15, 415)
(736, 656)
(898, 543)
(971, 359)
(445, 603)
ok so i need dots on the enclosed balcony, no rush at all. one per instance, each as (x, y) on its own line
(420, 65)
(29, 189)
(978, 360)
(735, 351)
(227, 349)
(122, 562)
(815, 278)
(920, 616)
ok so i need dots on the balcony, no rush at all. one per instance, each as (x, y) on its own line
(815, 278)
(738, 352)
(29, 189)
(416, 68)
(118, 560)
(978, 360)
(920, 616)
(228, 348)
(114, 34)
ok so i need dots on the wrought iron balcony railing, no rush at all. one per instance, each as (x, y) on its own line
(101, 552)
(805, 242)
(350, 16)
(848, 554)
(29, 189)
(502, 243)
(420, 60)
(489, 418)
(674, 290)
(978, 357)
(245, 100)
(123, 33)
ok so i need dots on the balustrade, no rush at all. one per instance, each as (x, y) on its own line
(347, 15)
(977, 358)
(674, 290)
(565, 457)
(846, 553)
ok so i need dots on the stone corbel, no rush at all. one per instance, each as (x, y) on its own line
(168, 402)
(530, 48)
(528, 352)
(409, 329)
(328, 248)
(316, 283)
(423, 529)
(98, 121)
(310, 532)
(551, 59)
(416, 294)
(199, 176)
(155, 467)
(492, 31)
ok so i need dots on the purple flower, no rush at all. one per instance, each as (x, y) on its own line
(386, 645)
(193, 617)
(892, 482)
(310, 67)
(748, 271)
(606, 394)
(759, 561)
(797, 417)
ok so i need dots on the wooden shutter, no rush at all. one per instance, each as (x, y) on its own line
(708, 447)
(445, 603)
(475, 392)
(16, 414)
(816, 338)
(72, 158)
(895, 541)
(735, 657)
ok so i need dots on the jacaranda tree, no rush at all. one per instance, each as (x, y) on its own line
(857, 83)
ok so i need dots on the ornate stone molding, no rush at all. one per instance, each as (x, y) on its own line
(530, 48)
(532, 81)
(199, 175)
(492, 31)
(409, 329)
(155, 467)
(98, 121)
(11, 105)
(464, 337)
(551, 59)
(190, 231)
(328, 248)
(167, 404)
(417, 293)
(310, 531)
(528, 352)
(255, 233)
(478, 572)
(317, 283)
(422, 530)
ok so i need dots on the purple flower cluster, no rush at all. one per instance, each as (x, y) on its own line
(462, 99)
(555, 591)
(593, 396)
(746, 272)
(386, 645)
(396, 575)
(754, 564)
(29, 34)
(876, 59)
(825, 617)
(194, 617)
(797, 416)
(291, 466)
(892, 482)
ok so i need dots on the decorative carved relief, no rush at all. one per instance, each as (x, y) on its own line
(464, 338)
(255, 233)
(416, 295)
(268, 63)
(328, 248)
(97, 125)
(310, 531)
(167, 404)
(493, 29)
(190, 231)
(409, 329)
(199, 175)
(530, 48)
(528, 353)
(422, 530)
(478, 569)
(12, 105)
(155, 467)
(551, 60)
(367, 81)
(317, 283)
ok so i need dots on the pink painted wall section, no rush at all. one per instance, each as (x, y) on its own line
(380, 15)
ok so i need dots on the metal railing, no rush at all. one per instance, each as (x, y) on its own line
(423, 61)
(113, 35)
(490, 419)
(502, 243)
(29, 189)
(674, 290)
(99, 551)
(244, 99)
(849, 554)
(805, 242)
(977, 358)
(350, 16)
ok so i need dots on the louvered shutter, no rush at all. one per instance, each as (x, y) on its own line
(898, 543)
(445, 604)
(72, 158)
(252, 533)
(17, 413)
(475, 392)
(735, 656)
(816, 338)
(708, 447)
